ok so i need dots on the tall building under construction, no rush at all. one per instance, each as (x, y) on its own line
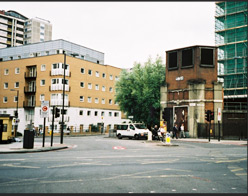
(231, 39)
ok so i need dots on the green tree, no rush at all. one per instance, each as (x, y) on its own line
(138, 91)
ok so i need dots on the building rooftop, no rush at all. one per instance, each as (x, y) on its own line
(50, 48)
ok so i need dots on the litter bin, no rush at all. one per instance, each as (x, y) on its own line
(28, 140)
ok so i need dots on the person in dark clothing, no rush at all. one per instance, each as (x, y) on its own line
(175, 131)
(155, 132)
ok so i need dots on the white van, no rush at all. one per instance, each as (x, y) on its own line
(131, 130)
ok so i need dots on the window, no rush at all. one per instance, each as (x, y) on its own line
(81, 112)
(43, 67)
(89, 72)
(89, 99)
(172, 60)
(55, 66)
(42, 97)
(82, 70)
(82, 84)
(116, 114)
(110, 89)
(110, 113)
(15, 99)
(6, 85)
(88, 113)
(97, 62)
(55, 81)
(97, 87)
(102, 113)
(6, 72)
(207, 57)
(81, 98)
(103, 88)
(89, 86)
(103, 75)
(116, 78)
(110, 101)
(96, 100)
(96, 113)
(16, 84)
(187, 58)
(97, 73)
(103, 101)
(5, 99)
(17, 70)
(111, 77)
(42, 82)
(66, 81)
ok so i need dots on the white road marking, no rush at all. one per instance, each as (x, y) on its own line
(77, 164)
(20, 166)
(12, 159)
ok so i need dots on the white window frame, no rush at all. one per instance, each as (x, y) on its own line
(89, 86)
(16, 85)
(42, 81)
(6, 72)
(81, 112)
(103, 101)
(17, 70)
(15, 98)
(89, 99)
(111, 77)
(103, 88)
(81, 98)
(110, 101)
(6, 85)
(96, 100)
(42, 97)
(88, 113)
(43, 67)
(103, 75)
(90, 72)
(83, 70)
(81, 84)
(97, 74)
(97, 87)
(5, 99)
(111, 89)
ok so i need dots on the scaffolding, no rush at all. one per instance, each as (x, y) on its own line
(231, 39)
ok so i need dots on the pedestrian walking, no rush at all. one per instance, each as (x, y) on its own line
(175, 132)
(182, 134)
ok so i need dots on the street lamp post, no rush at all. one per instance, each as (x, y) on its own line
(63, 103)
(16, 113)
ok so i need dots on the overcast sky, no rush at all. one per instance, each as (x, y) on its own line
(126, 32)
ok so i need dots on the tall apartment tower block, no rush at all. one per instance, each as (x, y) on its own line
(16, 29)
(231, 40)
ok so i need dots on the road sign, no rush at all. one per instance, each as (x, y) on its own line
(219, 114)
(44, 109)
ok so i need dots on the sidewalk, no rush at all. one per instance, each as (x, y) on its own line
(17, 147)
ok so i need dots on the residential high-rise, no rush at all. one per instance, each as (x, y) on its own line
(231, 39)
(11, 28)
(37, 30)
(36, 71)
(16, 29)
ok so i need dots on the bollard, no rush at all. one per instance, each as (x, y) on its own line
(149, 138)
(167, 138)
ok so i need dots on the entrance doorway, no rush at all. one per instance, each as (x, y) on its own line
(181, 116)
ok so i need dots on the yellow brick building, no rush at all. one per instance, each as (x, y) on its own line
(36, 71)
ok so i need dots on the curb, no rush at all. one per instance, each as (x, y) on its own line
(45, 149)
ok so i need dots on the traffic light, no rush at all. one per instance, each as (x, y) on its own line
(57, 112)
(211, 115)
(164, 114)
(207, 115)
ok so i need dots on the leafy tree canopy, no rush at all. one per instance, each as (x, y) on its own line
(138, 91)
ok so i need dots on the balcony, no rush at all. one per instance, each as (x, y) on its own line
(55, 102)
(30, 75)
(28, 104)
(60, 72)
(59, 87)
(28, 89)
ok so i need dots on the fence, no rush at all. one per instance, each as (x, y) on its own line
(228, 130)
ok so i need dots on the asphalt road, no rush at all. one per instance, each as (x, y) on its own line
(96, 164)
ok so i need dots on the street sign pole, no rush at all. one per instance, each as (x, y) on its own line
(52, 126)
(219, 119)
(44, 132)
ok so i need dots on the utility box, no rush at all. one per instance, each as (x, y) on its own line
(28, 140)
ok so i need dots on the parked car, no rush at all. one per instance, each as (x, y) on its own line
(131, 130)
